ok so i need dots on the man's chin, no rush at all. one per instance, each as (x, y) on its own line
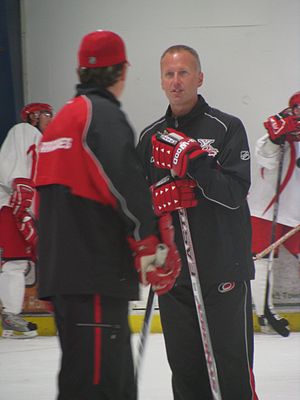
(175, 98)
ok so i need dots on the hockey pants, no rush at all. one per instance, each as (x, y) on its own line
(12, 285)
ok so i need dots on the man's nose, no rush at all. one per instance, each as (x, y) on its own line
(176, 78)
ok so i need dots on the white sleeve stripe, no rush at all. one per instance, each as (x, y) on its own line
(151, 127)
(217, 119)
(213, 200)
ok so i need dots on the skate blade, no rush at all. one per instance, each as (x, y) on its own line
(267, 330)
(8, 334)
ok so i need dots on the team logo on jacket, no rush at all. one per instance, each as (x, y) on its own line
(245, 155)
(206, 144)
(226, 287)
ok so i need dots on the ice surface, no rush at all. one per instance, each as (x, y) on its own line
(28, 368)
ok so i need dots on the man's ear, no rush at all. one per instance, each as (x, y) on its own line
(200, 79)
(124, 71)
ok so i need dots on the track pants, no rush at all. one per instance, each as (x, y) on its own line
(96, 362)
(229, 315)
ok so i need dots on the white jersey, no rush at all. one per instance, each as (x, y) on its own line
(263, 190)
(17, 157)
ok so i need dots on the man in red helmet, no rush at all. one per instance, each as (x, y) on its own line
(17, 230)
(283, 129)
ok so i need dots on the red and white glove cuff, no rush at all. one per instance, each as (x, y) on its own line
(173, 195)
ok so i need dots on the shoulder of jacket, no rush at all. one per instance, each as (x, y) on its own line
(150, 129)
(24, 128)
(222, 118)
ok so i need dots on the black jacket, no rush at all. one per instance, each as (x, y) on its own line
(93, 194)
(220, 224)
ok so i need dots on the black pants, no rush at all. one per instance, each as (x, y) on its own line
(229, 315)
(96, 362)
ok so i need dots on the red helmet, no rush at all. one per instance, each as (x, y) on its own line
(294, 100)
(35, 107)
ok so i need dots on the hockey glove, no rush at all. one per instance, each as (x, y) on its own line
(20, 201)
(280, 125)
(21, 198)
(156, 263)
(169, 195)
(26, 226)
(167, 234)
(174, 150)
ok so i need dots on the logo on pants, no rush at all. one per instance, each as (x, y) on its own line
(226, 287)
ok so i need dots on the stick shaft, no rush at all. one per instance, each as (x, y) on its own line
(200, 308)
(144, 332)
(274, 222)
(278, 242)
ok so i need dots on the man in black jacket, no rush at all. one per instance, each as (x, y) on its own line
(201, 156)
(95, 215)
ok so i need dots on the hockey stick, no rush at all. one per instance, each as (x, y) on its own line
(144, 332)
(208, 350)
(278, 242)
(161, 254)
(273, 232)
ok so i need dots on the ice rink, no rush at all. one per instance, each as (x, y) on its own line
(28, 368)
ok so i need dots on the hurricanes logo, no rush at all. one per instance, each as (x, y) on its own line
(226, 287)
(206, 144)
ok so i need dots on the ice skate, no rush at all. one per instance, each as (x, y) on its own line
(15, 327)
(274, 325)
(264, 326)
(278, 323)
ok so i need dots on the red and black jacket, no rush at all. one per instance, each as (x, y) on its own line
(93, 194)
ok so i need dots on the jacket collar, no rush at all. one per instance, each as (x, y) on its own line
(86, 89)
(200, 107)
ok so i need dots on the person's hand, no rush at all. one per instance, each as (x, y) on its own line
(280, 125)
(172, 194)
(173, 260)
(20, 202)
(157, 263)
(174, 150)
(26, 226)
(21, 198)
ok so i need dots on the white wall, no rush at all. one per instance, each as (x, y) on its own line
(249, 50)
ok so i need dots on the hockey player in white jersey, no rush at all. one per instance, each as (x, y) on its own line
(17, 230)
(283, 134)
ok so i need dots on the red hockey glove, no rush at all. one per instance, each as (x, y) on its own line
(174, 150)
(157, 264)
(21, 198)
(169, 195)
(26, 226)
(166, 276)
(281, 124)
(21, 201)
(167, 234)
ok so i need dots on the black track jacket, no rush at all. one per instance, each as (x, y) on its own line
(220, 223)
(93, 194)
